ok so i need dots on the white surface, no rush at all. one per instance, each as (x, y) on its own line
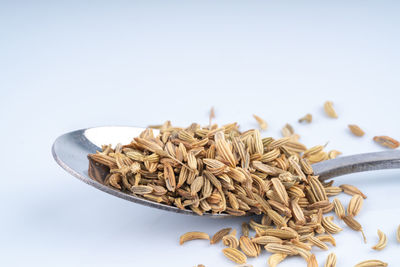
(72, 65)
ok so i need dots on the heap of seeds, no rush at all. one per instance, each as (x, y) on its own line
(222, 170)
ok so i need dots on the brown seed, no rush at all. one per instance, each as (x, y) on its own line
(333, 154)
(247, 246)
(231, 240)
(330, 227)
(329, 110)
(312, 261)
(298, 212)
(264, 240)
(371, 263)
(316, 242)
(387, 141)
(262, 123)
(275, 259)
(245, 229)
(219, 235)
(307, 118)
(141, 189)
(235, 255)
(281, 249)
(283, 234)
(193, 236)
(352, 190)
(356, 130)
(327, 238)
(331, 260)
(355, 205)
(333, 191)
(287, 130)
(280, 190)
(353, 224)
(382, 241)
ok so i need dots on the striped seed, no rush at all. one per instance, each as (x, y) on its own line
(235, 255)
(193, 236)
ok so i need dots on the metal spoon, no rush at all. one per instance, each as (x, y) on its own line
(71, 149)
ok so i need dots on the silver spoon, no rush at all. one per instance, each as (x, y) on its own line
(71, 149)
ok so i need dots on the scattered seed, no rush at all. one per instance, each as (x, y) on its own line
(312, 261)
(193, 236)
(382, 241)
(352, 190)
(307, 118)
(371, 263)
(329, 110)
(355, 205)
(356, 130)
(331, 260)
(387, 141)
(353, 224)
(275, 259)
(333, 154)
(247, 246)
(339, 209)
(262, 123)
(235, 255)
(219, 235)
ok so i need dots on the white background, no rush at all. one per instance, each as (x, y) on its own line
(79, 64)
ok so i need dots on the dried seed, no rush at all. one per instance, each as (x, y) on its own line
(352, 190)
(371, 263)
(356, 130)
(312, 261)
(219, 235)
(298, 212)
(329, 110)
(235, 255)
(330, 227)
(387, 141)
(141, 189)
(307, 118)
(262, 123)
(287, 130)
(245, 229)
(382, 241)
(224, 149)
(275, 259)
(264, 240)
(283, 234)
(333, 191)
(333, 154)
(327, 238)
(281, 249)
(276, 218)
(353, 224)
(231, 240)
(355, 205)
(192, 236)
(316, 242)
(280, 190)
(331, 260)
(247, 246)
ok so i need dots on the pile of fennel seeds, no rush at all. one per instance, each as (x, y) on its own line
(222, 170)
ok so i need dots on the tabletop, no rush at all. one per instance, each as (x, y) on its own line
(77, 64)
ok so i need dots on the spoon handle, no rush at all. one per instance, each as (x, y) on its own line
(357, 163)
